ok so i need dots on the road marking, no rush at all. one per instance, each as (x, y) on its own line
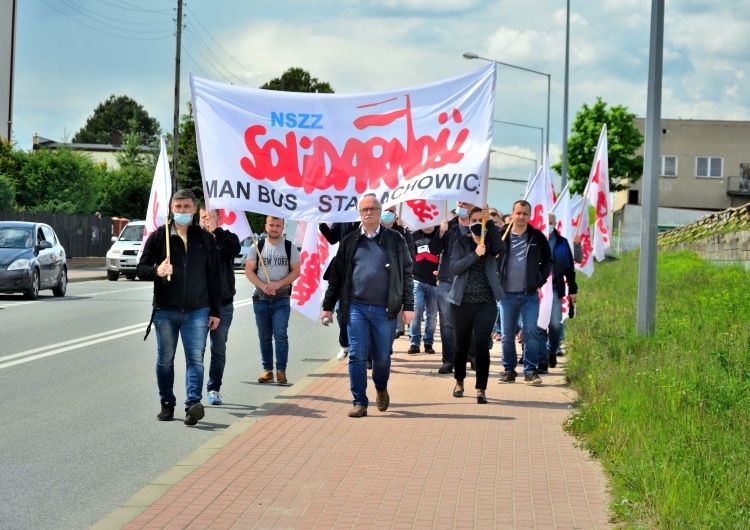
(72, 296)
(61, 347)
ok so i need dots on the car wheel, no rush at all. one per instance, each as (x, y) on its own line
(130, 276)
(32, 293)
(62, 284)
(113, 276)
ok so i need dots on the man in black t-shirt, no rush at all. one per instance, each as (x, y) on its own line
(425, 291)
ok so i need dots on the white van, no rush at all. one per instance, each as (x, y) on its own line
(122, 257)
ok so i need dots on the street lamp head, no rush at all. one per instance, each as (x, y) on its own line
(469, 55)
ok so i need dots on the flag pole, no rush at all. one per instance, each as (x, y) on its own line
(445, 205)
(260, 258)
(166, 232)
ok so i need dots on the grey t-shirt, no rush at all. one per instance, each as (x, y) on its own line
(515, 274)
(274, 257)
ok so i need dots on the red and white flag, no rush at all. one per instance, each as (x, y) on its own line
(564, 217)
(598, 196)
(580, 213)
(537, 195)
(308, 291)
(161, 193)
(236, 222)
(422, 213)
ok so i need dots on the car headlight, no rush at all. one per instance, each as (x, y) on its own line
(20, 265)
(115, 251)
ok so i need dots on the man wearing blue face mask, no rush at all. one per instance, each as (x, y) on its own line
(186, 304)
(442, 245)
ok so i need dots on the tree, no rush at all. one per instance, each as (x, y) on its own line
(188, 164)
(59, 181)
(118, 114)
(623, 140)
(8, 175)
(298, 80)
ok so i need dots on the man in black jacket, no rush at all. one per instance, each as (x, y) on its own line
(524, 269)
(187, 301)
(228, 245)
(372, 280)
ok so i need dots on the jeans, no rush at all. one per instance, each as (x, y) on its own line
(192, 328)
(554, 333)
(473, 326)
(527, 306)
(219, 348)
(425, 301)
(272, 319)
(447, 339)
(497, 328)
(367, 324)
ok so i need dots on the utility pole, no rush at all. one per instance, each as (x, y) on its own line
(564, 169)
(175, 146)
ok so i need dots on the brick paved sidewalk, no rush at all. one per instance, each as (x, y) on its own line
(430, 461)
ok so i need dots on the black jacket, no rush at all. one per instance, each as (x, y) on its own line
(464, 256)
(400, 284)
(563, 266)
(228, 245)
(443, 246)
(538, 260)
(196, 277)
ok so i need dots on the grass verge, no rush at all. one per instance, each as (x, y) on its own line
(668, 416)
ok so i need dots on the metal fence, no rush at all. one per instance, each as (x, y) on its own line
(81, 235)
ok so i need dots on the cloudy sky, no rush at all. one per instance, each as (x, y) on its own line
(73, 54)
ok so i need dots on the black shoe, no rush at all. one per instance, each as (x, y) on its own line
(413, 349)
(167, 412)
(481, 398)
(428, 348)
(458, 390)
(560, 353)
(508, 377)
(542, 368)
(368, 363)
(552, 358)
(194, 413)
(446, 368)
(399, 334)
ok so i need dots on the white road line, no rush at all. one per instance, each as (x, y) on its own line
(27, 302)
(82, 342)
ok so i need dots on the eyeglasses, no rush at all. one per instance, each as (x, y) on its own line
(368, 210)
(493, 214)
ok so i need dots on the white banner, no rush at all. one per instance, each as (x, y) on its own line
(161, 194)
(311, 157)
(309, 288)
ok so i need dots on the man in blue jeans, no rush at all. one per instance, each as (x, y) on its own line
(523, 271)
(186, 304)
(372, 280)
(228, 245)
(272, 277)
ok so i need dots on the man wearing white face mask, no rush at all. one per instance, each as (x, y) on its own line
(442, 245)
(389, 219)
(187, 301)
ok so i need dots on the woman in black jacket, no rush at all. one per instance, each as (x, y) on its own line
(476, 289)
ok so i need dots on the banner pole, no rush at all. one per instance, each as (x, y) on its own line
(260, 258)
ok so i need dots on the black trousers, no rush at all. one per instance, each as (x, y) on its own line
(473, 323)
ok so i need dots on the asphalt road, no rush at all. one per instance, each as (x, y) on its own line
(79, 433)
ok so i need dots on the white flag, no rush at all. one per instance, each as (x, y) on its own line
(598, 196)
(236, 222)
(161, 194)
(580, 211)
(422, 213)
(308, 291)
(538, 196)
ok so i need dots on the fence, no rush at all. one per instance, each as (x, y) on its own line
(80, 235)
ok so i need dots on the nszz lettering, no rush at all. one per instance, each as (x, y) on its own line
(293, 120)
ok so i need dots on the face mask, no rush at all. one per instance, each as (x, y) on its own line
(476, 229)
(551, 229)
(387, 217)
(462, 212)
(183, 218)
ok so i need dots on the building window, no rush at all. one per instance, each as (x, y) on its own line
(632, 196)
(709, 167)
(668, 166)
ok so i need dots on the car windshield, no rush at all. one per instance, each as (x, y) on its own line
(132, 233)
(16, 237)
(247, 242)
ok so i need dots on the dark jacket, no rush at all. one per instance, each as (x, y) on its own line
(400, 285)
(538, 260)
(337, 231)
(228, 245)
(463, 257)
(443, 246)
(563, 267)
(196, 277)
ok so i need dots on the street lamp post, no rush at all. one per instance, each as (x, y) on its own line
(540, 129)
(469, 55)
(536, 162)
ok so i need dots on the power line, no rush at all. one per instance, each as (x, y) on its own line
(69, 4)
(215, 61)
(140, 22)
(132, 7)
(206, 57)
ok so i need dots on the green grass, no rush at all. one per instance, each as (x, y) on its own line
(668, 416)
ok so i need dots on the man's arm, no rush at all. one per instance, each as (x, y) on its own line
(228, 243)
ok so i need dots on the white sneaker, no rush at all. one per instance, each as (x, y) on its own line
(343, 354)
